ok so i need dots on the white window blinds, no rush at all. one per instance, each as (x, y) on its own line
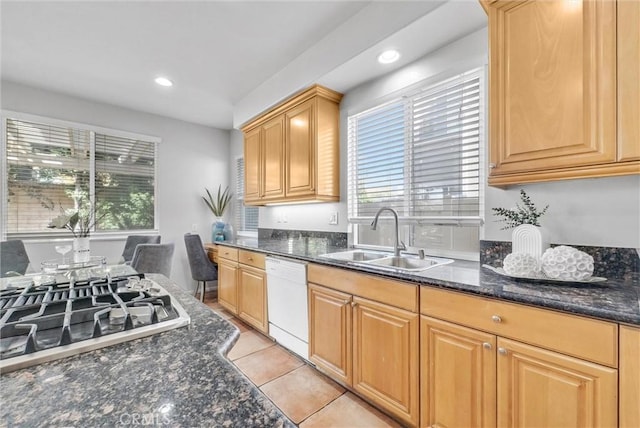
(420, 155)
(48, 165)
(246, 216)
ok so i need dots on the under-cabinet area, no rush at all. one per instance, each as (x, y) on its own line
(431, 356)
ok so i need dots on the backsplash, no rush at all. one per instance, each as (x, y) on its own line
(609, 262)
(334, 239)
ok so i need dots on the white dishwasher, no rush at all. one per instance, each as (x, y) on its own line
(287, 304)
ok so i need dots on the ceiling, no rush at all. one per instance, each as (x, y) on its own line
(219, 54)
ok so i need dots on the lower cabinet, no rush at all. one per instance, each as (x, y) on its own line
(629, 377)
(366, 345)
(242, 286)
(476, 378)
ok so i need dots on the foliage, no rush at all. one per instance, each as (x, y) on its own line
(220, 203)
(527, 213)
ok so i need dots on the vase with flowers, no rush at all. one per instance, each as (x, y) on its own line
(218, 205)
(80, 221)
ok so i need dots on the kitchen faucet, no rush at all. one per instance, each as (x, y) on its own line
(398, 246)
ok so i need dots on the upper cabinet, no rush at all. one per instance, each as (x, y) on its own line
(563, 90)
(292, 151)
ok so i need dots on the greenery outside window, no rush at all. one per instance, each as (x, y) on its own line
(246, 217)
(50, 163)
(420, 154)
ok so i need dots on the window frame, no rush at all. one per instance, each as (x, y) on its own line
(240, 203)
(409, 92)
(62, 234)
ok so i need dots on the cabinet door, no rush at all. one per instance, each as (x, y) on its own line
(540, 388)
(552, 85)
(628, 80)
(252, 169)
(385, 357)
(252, 297)
(629, 377)
(457, 375)
(300, 150)
(330, 332)
(273, 158)
(228, 285)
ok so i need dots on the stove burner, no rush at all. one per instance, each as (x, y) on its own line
(38, 318)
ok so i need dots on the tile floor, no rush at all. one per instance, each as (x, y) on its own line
(306, 396)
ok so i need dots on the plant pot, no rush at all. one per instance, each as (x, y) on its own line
(529, 239)
(81, 250)
(217, 230)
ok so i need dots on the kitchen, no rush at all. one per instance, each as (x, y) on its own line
(591, 212)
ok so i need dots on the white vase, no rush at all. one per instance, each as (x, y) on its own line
(529, 239)
(81, 250)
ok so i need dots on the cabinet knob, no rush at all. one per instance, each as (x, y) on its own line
(486, 345)
(492, 165)
(250, 259)
(496, 319)
(502, 351)
(353, 304)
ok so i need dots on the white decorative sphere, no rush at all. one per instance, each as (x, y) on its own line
(521, 264)
(567, 263)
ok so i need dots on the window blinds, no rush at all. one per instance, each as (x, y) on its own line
(246, 216)
(47, 165)
(419, 155)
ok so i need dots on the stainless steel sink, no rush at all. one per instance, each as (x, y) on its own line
(386, 261)
(356, 255)
(408, 263)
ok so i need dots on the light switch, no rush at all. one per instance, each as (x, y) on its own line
(333, 218)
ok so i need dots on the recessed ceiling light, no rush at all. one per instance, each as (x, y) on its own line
(387, 57)
(163, 81)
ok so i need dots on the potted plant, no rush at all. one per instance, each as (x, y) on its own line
(527, 236)
(80, 221)
(218, 205)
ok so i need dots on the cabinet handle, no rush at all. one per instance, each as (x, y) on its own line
(502, 351)
(486, 345)
(496, 319)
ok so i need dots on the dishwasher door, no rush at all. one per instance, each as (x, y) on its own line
(287, 304)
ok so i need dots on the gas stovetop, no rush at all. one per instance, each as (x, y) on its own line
(40, 323)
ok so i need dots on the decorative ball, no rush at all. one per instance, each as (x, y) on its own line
(521, 264)
(567, 263)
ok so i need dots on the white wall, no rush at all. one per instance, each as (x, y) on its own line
(190, 158)
(601, 212)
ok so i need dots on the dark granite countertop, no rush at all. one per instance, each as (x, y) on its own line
(613, 300)
(176, 378)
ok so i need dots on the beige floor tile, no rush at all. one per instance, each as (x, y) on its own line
(268, 364)
(248, 343)
(301, 392)
(348, 411)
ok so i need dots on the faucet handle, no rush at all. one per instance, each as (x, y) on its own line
(421, 253)
(401, 246)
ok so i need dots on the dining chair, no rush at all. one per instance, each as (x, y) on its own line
(153, 258)
(14, 259)
(202, 269)
(133, 241)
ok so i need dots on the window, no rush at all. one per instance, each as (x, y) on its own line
(420, 155)
(50, 164)
(246, 216)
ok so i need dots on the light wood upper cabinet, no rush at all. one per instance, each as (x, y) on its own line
(553, 96)
(629, 377)
(252, 168)
(300, 144)
(629, 80)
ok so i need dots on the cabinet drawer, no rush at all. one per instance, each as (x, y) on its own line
(252, 259)
(228, 253)
(400, 294)
(580, 337)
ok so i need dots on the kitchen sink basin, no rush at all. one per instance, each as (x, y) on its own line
(408, 263)
(356, 255)
(386, 261)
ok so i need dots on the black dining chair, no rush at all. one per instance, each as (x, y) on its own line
(202, 269)
(133, 241)
(14, 259)
(153, 258)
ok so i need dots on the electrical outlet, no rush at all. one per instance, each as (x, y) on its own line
(194, 227)
(333, 218)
